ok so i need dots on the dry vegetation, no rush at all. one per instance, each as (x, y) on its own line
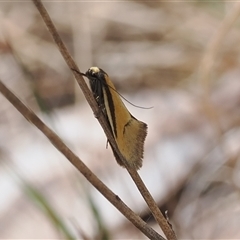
(180, 57)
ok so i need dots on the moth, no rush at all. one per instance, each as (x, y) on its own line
(128, 132)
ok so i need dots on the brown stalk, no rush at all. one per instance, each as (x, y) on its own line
(90, 176)
(163, 223)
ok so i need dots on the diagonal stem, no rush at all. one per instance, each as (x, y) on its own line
(161, 220)
(90, 176)
(133, 173)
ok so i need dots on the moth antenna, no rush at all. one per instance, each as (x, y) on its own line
(83, 74)
(128, 100)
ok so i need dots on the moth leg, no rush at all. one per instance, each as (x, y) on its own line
(107, 144)
(98, 113)
(101, 108)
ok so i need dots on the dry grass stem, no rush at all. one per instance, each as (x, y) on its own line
(136, 178)
(90, 176)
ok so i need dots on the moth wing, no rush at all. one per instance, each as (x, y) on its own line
(132, 144)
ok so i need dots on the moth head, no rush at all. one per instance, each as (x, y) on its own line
(94, 73)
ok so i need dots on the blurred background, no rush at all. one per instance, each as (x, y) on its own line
(155, 53)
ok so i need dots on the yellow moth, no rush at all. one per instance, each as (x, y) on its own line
(129, 133)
